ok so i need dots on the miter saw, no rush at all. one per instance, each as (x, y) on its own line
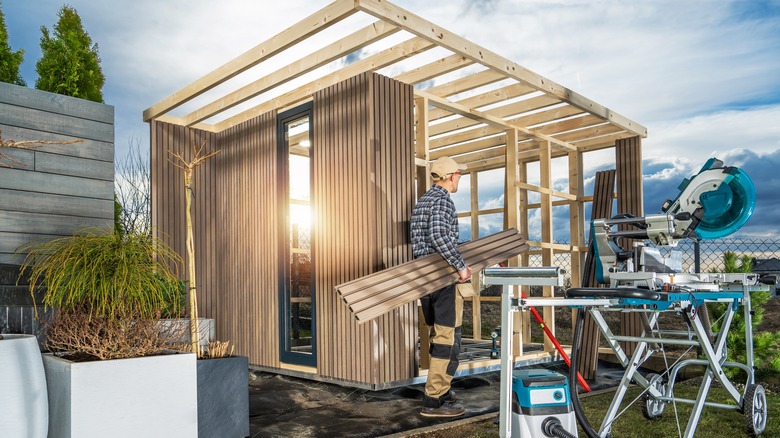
(714, 203)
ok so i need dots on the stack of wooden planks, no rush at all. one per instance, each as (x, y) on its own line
(378, 293)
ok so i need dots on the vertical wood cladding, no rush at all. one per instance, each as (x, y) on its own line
(363, 196)
(363, 193)
(628, 159)
(234, 227)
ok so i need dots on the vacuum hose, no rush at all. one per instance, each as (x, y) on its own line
(552, 427)
(575, 399)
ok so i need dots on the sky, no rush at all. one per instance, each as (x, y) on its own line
(701, 75)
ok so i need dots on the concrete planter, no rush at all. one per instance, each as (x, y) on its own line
(23, 402)
(223, 397)
(145, 396)
(181, 327)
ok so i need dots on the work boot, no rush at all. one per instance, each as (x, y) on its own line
(447, 409)
(449, 397)
(439, 407)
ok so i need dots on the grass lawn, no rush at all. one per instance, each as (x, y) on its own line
(714, 422)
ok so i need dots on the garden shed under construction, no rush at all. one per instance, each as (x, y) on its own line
(325, 131)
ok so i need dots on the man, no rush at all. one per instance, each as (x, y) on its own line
(434, 229)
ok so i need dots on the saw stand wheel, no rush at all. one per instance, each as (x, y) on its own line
(754, 408)
(652, 408)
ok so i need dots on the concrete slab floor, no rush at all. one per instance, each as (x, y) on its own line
(282, 406)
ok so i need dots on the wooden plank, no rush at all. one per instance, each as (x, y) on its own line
(35, 182)
(545, 180)
(377, 61)
(472, 146)
(90, 149)
(424, 28)
(603, 190)
(74, 166)
(546, 191)
(355, 41)
(476, 317)
(318, 21)
(511, 109)
(420, 287)
(45, 203)
(10, 242)
(72, 126)
(25, 158)
(390, 277)
(628, 156)
(466, 83)
(489, 97)
(396, 281)
(52, 224)
(587, 133)
(528, 120)
(45, 101)
(576, 216)
(494, 121)
(562, 126)
(436, 68)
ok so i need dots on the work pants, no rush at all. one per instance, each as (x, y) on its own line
(443, 314)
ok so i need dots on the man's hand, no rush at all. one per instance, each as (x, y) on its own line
(465, 274)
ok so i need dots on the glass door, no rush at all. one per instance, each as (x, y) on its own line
(296, 291)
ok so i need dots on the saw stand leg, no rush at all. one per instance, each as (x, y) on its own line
(715, 360)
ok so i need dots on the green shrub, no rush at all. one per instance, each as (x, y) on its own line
(765, 344)
(104, 273)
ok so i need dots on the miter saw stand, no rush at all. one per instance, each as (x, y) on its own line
(713, 203)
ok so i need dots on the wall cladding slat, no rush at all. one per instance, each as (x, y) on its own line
(363, 155)
(237, 275)
(628, 159)
(363, 195)
(58, 189)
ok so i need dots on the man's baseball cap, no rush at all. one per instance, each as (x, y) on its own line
(443, 166)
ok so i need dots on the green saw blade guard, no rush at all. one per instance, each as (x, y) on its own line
(728, 207)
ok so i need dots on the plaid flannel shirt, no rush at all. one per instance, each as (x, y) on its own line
(434, 227)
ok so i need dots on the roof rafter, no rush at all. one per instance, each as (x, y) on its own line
(355, 41)
(377, 61)
(309, 26)
(457, 44)
(492, 120)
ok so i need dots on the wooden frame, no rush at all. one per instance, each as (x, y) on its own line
(469, 103)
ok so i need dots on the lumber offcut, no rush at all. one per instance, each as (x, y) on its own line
(373, 295)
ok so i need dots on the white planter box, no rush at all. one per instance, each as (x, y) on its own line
(139, 397)
(23, 402)
(182, 326)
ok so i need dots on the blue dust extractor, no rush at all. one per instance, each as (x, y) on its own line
(541, 406)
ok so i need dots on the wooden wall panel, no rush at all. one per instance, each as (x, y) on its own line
(364, 193)
(245, 252)
(628, 159)
(603, 195)
(233, 227)
(58, 189)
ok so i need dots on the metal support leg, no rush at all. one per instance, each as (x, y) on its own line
(507, 363)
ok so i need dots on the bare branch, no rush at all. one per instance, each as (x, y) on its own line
(25, 144)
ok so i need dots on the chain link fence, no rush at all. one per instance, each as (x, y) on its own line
(701, 256)
(696, 256)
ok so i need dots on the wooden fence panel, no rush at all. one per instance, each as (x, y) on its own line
(58, 189)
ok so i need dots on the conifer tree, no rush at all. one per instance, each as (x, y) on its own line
(9, 60)
(70, 63)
